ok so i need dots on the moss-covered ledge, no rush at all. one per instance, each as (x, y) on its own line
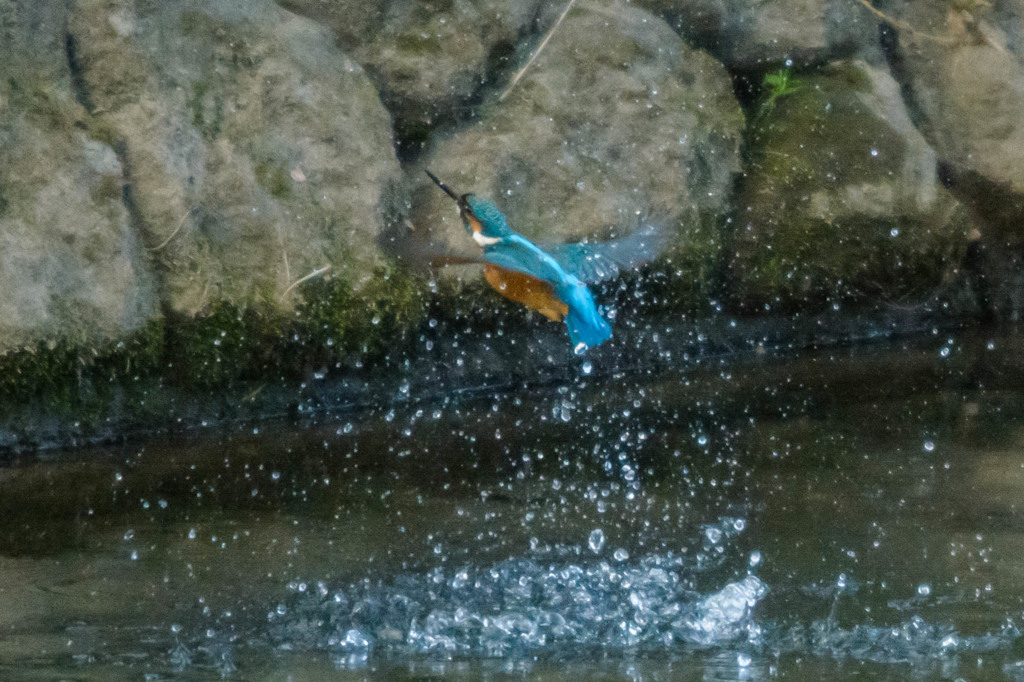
(177, 365)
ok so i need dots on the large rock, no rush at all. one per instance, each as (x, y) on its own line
(617, 116)
(257, 152)
(963, 65)
(430, 60)
(842, 199)
(71, 267)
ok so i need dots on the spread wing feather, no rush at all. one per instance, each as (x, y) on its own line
(594, 262)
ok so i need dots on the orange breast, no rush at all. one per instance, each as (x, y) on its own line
(530, 291)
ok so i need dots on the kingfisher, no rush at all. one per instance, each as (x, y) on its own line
(552, 280)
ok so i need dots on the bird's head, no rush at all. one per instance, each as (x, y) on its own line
(481, 218)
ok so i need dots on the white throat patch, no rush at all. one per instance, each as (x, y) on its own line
(480, 239)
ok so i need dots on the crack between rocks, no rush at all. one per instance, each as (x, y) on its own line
(896, 60)
(78, 87)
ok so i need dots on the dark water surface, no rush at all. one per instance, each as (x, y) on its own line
(847, 514)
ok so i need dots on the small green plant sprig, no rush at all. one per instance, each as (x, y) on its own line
(778, 85)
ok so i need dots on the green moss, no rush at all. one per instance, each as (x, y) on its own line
(806, 245)
(225, 345)
(333, 320)
(231, 344)
(207, 110)
(141, 355)
(45, 373)
(274, 178)
(74, 377)
(418, 44)
(229, 348)
(822, 137)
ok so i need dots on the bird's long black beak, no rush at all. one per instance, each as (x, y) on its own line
(446, 188)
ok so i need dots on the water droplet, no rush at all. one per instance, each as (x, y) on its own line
(755, 558)
(621, 554)
(874, 152)
(944, 352)
(596, 540)
(588, 367)
(743, 660)
(924, 589)
(929, 446)
(894, 232)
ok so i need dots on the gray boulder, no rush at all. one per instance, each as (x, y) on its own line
(842, 199)
(616, 117)
(430, 61)
(964, 68)
(71, 267)
(256, 151)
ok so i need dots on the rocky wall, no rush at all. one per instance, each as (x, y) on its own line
(206, 192)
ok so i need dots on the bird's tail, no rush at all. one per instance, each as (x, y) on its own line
(586, 326)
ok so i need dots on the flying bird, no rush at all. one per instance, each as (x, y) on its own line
(553, 280)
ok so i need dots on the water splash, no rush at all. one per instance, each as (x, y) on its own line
(521, 606)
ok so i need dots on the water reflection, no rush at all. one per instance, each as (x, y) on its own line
(833, 515)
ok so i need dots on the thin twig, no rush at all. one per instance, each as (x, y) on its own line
(176, 230)
(533, 57)
(299, 281)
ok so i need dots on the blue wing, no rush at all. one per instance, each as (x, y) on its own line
(520, 254)
(594, 262)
